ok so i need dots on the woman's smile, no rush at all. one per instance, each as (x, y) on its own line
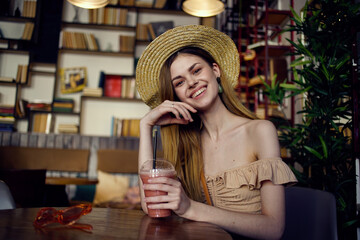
(198, 93)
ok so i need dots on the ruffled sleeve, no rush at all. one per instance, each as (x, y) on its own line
(252, 175)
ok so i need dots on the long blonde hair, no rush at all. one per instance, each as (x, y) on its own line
(182, 143)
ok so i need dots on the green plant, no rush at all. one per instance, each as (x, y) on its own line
(320, 143)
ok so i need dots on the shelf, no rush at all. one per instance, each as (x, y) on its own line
(100, 53)
(43, 73)
(14, 51)
(111, 98)
(7, 83)
(16, 19)
(15, 39)
(98, 26)
(55, 112)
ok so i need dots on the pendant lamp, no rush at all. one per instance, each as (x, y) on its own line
(91, 4)
(203, 8)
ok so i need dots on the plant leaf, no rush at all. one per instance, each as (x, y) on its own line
(323, 144)
(314, 152)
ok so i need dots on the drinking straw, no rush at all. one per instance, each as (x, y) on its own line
(154, 146)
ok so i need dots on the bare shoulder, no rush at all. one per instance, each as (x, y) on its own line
(261, 127)
(264, 138)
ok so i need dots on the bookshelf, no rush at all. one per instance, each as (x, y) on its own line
(18, 31)
(91, 114)
(91, 109)
(264, 53)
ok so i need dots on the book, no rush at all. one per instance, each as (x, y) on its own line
(24, 72)
(160, 3)
(144, 3)
(127, 43)
(101, 79)
(142, 32)
(39, 105)
(68, 128)
(63, 105)
(29, 9)
(93, 92)
(7, 79)
(151, 31)
(21, 75)
(77, 40)
(43, 123)
(127, 2)
(28, 31)
(113, 85)
(122, 17)
(128, 87)
(21, 108)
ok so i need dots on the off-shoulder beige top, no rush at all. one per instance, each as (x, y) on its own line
(238, 189)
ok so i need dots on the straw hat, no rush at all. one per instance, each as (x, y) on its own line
(219, 45)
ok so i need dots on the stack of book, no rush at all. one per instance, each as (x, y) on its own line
(110, 16)
(128, 88)
(127, 43)
(21, 108)
(39, 105)
(120, 86)
(29, 8)
(7, 119)
(125, 127)
(43, 123)
(22, 72)
(68, 128)
(142, 32)
(77, 40)
(92, 92)
(63, 105)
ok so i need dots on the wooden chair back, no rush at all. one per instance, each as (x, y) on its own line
(117, 161)
(71, 160)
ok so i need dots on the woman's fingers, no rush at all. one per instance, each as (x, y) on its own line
(169, 112)
(174, 198)
(179, 109)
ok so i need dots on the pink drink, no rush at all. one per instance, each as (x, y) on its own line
(145, 175)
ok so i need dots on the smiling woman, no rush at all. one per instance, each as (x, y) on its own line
(223, 155)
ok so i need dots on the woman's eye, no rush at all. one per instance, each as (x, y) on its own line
(197, 70)
(178, 83)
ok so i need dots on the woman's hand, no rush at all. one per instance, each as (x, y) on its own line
(169, 112)
(176, 199)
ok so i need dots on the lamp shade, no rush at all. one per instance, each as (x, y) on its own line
(89, 3)
(203, 8)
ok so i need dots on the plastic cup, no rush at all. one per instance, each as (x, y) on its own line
(163, 169)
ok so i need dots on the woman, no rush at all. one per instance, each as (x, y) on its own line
(187, 76)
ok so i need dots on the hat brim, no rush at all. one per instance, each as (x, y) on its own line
(219, 45)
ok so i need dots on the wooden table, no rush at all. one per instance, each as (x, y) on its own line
(108, 223)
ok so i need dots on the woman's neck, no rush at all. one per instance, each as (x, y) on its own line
(216, 120)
